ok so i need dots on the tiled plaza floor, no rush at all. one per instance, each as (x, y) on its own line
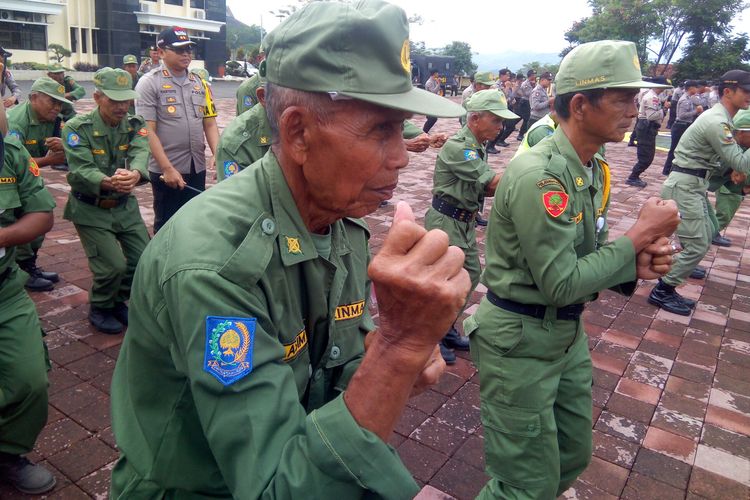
(671, 393)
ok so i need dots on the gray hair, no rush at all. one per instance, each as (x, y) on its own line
(279, 98)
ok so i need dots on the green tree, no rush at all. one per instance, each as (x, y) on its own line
(539, 68)
(714, 57)
(240, 35)
(58, 52)
(461, 51)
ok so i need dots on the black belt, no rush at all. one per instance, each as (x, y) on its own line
(697, 172)
(4, 275)
(567, 313)
(683, 122)
(452, 211)
(101, 202)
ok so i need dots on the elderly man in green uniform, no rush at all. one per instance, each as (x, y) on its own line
(36, 123)
(130, 64)
(707, 148)
(73, 91)
(247, 93)
(107, 150)
(25, 213)
(461, 180)
(244, 373)
(547, 255)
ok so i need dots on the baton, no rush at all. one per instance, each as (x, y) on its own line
(191, 188)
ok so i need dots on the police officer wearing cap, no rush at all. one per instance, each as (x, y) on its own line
(107, 150)
(37, 125)
(706, 148)
(152, 62)
(181, 118)
(547, 254)
(523, 96)
(244, 372)
(688, 108)
(7, 80)
(73, 91)
(461, 180)
(539, 101)
(130, 64)
(480, 81)
(650, 116)
(246, 93)
(25, 213)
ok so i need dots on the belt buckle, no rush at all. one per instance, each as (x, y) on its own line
(107, 203)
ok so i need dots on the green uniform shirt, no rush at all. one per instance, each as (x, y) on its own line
(76, 92)
(246, 96)
(543, 246)
(461, 173)
(278, 426)
(95, 150)
(708, 143)
(245, 140)
(24, 126)
(21, 190)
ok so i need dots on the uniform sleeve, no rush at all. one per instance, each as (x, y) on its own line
(12, 85)
(548, 245)
(34, 196)
(147, 100)
(467, 166)
(84, 175)
(722, 141)
(262, 440)
(77, 92)
(536, 135)
(139, 151)
(410, 130)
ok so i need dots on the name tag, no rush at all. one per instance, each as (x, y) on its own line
(350, 311)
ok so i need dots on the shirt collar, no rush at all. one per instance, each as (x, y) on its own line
(575, 167)
(101, 129)
(33, 120)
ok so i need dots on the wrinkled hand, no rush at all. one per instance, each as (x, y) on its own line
(738, 177)
(656, 259)
(419, 282)
(53, 143)
(125, 180)
(173, 179)
(659, 217)
(418, 143)
(9, 101)
(55, 157)
(437, 140)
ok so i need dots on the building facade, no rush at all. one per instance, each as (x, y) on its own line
(102, 31)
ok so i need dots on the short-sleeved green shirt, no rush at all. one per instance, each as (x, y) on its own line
(245, 140)
(277, 427)
(21, 190)
(547, 237)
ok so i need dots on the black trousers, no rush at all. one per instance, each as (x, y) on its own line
(168, 201)
(509, 126)
(672, 114)
(429, 123)
(677, 130)
(524, 111)
(647, 132)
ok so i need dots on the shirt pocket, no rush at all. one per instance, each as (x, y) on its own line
(171, 105)
(199, 105)
(9, 198)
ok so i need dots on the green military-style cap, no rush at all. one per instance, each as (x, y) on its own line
(357, 50)
(55, 68)
(484, 77)
(130, 59)
(491, 100)
(607, 64)
(202, 73)
(47, 85)
(115, 83)
(742, 120)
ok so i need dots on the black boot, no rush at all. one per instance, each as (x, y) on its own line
(491, 149)
(36, 282)
(25, 476)
(721, 241)
(455, 341)
(479, 220)
(104, 320)
(698, 273)
(666, 297)
(635, 181)
(448, 355)
(120, 312)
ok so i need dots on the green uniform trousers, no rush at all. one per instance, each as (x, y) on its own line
(695, 230)
(535, 386)
(462, 235)
(113, 255)
(728, 201)
(29, 250)
(23, 368)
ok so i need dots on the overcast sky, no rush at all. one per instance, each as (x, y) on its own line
(489, 27)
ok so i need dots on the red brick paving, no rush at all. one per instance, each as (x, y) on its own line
(671, 393)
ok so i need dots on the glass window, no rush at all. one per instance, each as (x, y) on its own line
(74, 39)
(173, 2)
(84, 40)
(198, 4)
(23, 36)
(94, 44)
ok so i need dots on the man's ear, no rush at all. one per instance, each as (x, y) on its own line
(294, 127)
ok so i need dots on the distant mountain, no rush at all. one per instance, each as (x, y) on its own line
(512, 60)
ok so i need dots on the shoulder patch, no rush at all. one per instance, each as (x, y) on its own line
(33, 167)
(230, 168)
(470, 154)
(728, 137)
(15, 133)
(247, 100)
(555, 202)
(546, 182)
(229, 348)
(143, 131)
(73, 139)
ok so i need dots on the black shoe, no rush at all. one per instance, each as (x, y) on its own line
(698, 273)
(480, 221)
(721, 241)
(39, 280)
(491, 150)
(502, 144)
(666, 297)
(36, 283)
(120, 312)
(688, 302)
(636, 182)
(455, 341)
(61, 168)
(520, 137)
(25, 476)
(105, 321)
(448, 355)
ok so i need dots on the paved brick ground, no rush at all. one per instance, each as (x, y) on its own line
(671, 393)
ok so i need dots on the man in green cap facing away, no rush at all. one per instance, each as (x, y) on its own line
(461, 180)
(25, 213)
(250, 307)
(107, 151)
(73, 91)
(130, 64)
(247, 93)
(707, 148)
(37, 124)
(547, 255)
